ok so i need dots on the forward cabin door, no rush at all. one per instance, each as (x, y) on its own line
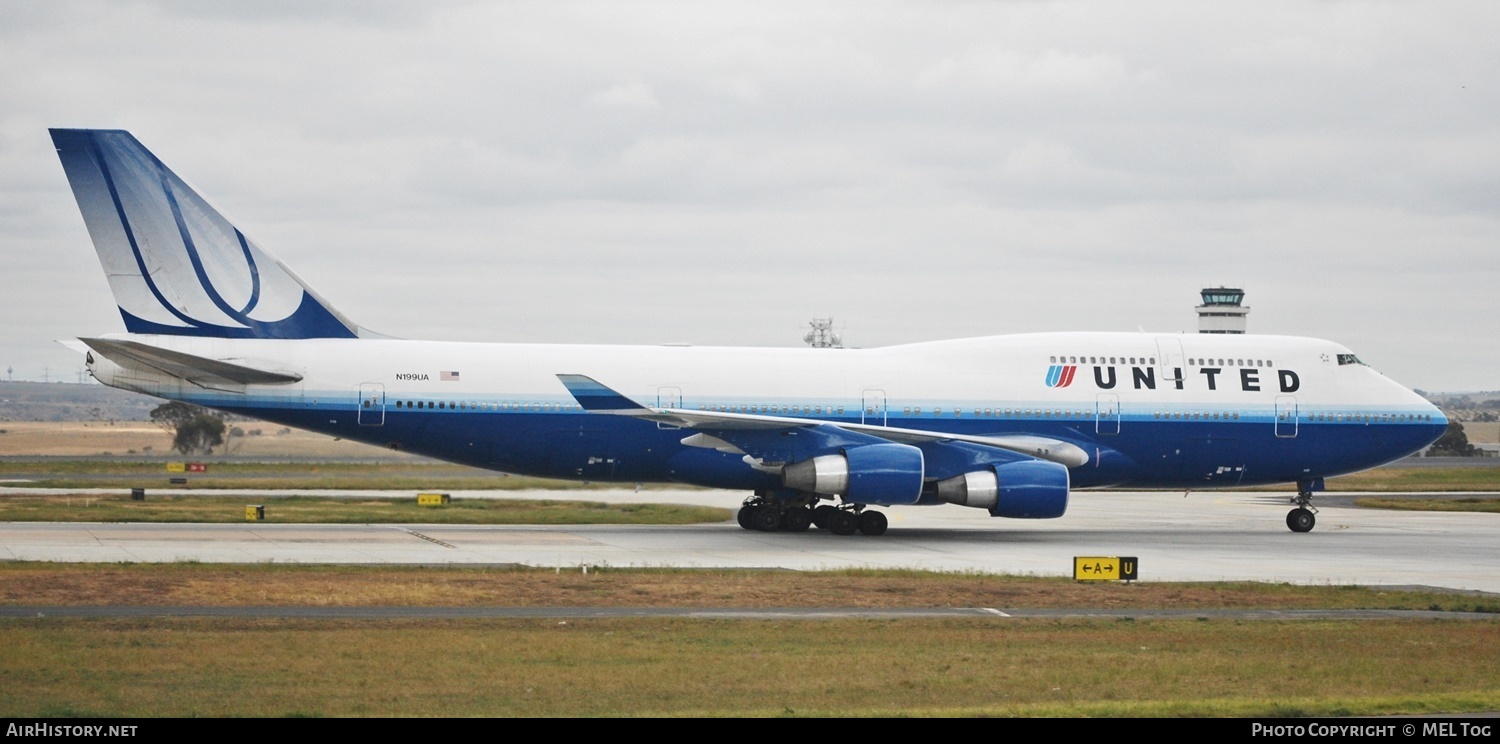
(1286, 416)
(872, 411)
(1170, 361)
(1107, 414)
(371, 404)
(668, 397)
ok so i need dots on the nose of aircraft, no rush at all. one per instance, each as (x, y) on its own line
(1432, 423)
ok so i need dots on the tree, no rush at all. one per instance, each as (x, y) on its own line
(1453, 443)
(193, 428)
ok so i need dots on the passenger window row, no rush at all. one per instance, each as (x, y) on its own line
(468, 405)
(1064, 359)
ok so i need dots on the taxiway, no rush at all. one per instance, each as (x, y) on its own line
(1202, 536)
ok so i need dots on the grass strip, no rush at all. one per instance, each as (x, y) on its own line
(1467, 504)
(1398, 479)
(27, 583)
(661, 667)
(114, 473)
(327, 510)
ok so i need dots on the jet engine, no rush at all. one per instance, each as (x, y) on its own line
(867, 474)
(1029, 489)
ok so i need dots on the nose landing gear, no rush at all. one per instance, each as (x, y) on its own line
(1302, 518)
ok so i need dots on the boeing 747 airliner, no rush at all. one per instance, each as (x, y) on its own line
(1007, 424)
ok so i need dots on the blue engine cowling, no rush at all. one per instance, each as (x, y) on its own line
(869, 474)
(1031, 489)
(1028, 489)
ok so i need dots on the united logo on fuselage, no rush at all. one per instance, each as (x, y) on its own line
(1060, 375)
(1108, 377)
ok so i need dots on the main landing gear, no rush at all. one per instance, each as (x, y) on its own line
(776, 515)
(1301, 519)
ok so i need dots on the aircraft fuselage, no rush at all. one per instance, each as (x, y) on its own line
(1149, 410)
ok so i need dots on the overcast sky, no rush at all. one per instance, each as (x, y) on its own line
(720, 173)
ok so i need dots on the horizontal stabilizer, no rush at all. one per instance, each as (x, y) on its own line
(201, 371)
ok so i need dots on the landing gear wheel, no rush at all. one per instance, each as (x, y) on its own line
(872, 523)
(822, 516)
(843, 522)
(766, 518)
(746, 516)
(1301, 519)
(796, 519)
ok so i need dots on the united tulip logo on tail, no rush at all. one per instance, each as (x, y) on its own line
(1060, 375)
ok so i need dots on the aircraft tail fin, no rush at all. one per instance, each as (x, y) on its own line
(176, 266)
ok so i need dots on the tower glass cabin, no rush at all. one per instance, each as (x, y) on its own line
(1221, 311)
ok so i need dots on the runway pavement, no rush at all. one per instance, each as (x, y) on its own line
(1204, 536)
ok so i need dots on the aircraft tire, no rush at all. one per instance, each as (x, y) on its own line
(1300, 520)
(843, 522)
(796, 519)
(822, 516)
(873, 523)
(746, 516)
(766, 518)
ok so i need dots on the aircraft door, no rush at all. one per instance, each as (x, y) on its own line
(371, 404)
(872, 411)
(1170, 360)
(1286, 416)
(1107, 414)
(668, 397)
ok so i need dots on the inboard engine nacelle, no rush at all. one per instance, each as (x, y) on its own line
(868, 474)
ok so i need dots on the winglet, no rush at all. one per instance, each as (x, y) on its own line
(594, 396)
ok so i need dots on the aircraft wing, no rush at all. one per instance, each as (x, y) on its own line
(745, 431)
(200, 371)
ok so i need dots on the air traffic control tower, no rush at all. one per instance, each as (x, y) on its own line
(1221, 311)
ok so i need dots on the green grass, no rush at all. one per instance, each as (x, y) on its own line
(685, 667)
(326, 510)
(107, 473)
(678, 667)
(1489, 505)
(1457, 478)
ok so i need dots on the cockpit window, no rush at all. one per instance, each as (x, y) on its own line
(1348, 359)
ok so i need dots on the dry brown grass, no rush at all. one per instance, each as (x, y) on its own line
(216, 585)
(99, 438)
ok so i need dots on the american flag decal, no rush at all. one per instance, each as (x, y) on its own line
(448, 376)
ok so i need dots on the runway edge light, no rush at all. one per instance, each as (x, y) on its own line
(1106, 568)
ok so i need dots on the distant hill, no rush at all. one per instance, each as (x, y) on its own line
(66, 401)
